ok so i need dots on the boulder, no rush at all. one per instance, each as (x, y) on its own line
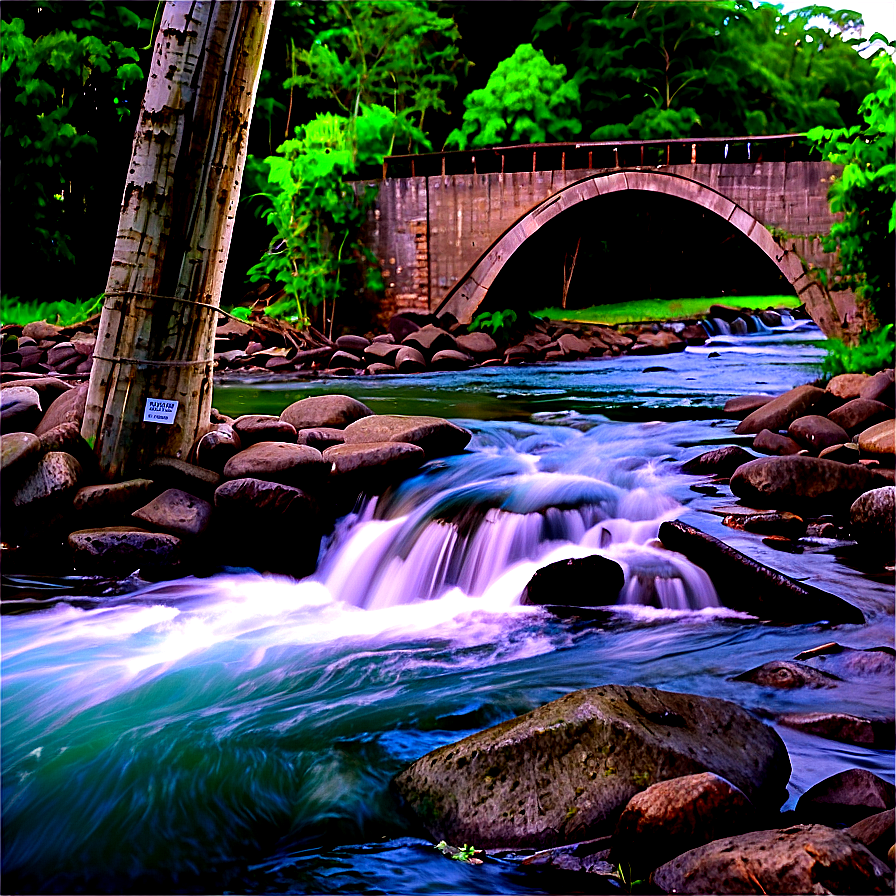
(53, 480)
(719, 461)
(564, 772)
(67, 437)
(859, 414)
(816, 433)
(217, 446)
(879, 387)
(768, 442)
(381, 353)
(356, 345)
(298, 465)
(784, 674)
(371, 467)
(402, 325)
(780, 412)
(430, 339)
(799, 860)
(18, 452)
(335, 411)
(450, 360)
(176, 512)
(877, 833)
(798, 482)
(879, 441)
(573, 347)
(252, 428)
(113, 498)
(745, 585)
(281, 503)
(518, 354)
(843, 727)
(40, 329)
(694, 334)
(581, 582)
(342, 360)
(437, 437)
(20, 409)
(846, 798)
(409, 360)
(658, 343)
(170, 472)
(770, 317)
(120, 550)
(671, 817)
(847, 386)
(48, 387)
(872, 520)
(743, 405)
(479, 345)
(67, 408)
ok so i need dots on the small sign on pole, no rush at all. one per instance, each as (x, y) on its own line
(158, 410)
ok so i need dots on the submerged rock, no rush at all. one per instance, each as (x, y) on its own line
(843, 727)
(564, 772)
(784, 674)
(581, 582)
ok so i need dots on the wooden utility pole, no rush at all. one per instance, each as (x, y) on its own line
(151, 383)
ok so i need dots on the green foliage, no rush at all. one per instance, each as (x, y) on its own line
(865, 193)
(465, 853)
(873, 352)
(526, 100)
(624, 873)
(62, 313)
(498, 323)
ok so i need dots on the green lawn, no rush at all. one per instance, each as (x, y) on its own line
(662, 309)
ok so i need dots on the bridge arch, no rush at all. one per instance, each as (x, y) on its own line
(469, 293)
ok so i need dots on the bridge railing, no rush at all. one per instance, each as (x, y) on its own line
(602, 155)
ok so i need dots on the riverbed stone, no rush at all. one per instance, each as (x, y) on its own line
(673, 816)
(281, 503)
(54, 479)
(67, 408)
(354, 344)
(859, 414)
(564, 772)
(18, 451)
(847, 453)
(321, 437)
(252, 428)
(847, 385)
(171, 472)
(436, 436)
(720, 461)
(879, 387)
(783, 674)
(846, 798)
(877, 833)
(872, 520)
(378, 369)
(381, 353)
(120, 550)
(658, 343)
(780, 412)
(816, 432)
(430, 339)
(578, 582)
(48, 387)
(478, 344)
(879, 442)
(850, 662)
(20, 409)
(67, 437)
(744, 405)
(796, 860)
(217, 446)
(768, 442)
(797, 482)
(409, 360)
(843, 727)
(176, 512)
(371, 467)
(448, 359)
(113, 498)
(298, 465)
(335, 411)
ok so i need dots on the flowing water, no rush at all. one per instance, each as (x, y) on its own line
(238, 733)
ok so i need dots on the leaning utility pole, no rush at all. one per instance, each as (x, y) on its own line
(151, 383)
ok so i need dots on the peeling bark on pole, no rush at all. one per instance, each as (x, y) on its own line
(157, 329)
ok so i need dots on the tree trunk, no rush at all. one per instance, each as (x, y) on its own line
(157, 330)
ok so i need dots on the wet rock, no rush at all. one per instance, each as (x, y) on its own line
(176, 512)
(298, 465)
(479, 345)
(774, 522)
(252, 428)
(798, 860)
(409, 360)
(273, 500)
(780, 412)
(872, 520)
(20, 409)
(879, 442)
(784, 674)
(335, 411)
(843, 727)
(450, 360)
(588, 857)
(19, 451)
(770, 317)
(859, 414)
(581, 582)
(847, 386)
(53, 481)
(321, 438)
(564, 772)
(518, 354)
(381, 352)
(430, 339)
(345, 360)
(694, 334)
(170, 472)
(847, 453)
(371, 467)
(797, 482)
(720, 461)
(48, 387)
(114, 498)
(849, 662)
(816, 433)
(67, 437)
(768, 442)
(402, 325)
(437, 437)
(846, 798)
(658, 343)
(120, 550)
(356, 345)
(377, 369)
(745, 585)
(217, 446)
(876, 833)
(743, 405)
(67, 408)
(879, 388)
(671, 817)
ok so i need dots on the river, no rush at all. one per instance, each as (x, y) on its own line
(238, 733)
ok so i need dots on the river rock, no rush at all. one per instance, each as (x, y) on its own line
(797, 482)
(357, 345)
(437, 437)
(113, 498)
(780, 412)
(67, 437)
(671, 817)
(298, 465)
(580, 582)
(382, 353)
(876, 833)
(252, 428)
(335, 411)
(409, 360)
(774, 522)
(20, 409)
(768, 442)
(849, 662)
(282, 502)
(321, 437)
(816, 433)
(67, 408)
(770, 317)
(371, 467)
(478, 344)
(430, 339)
(785, 674)
(658, 343)
(872, 520)
(879, 388)
(217, 446)
(345, 361)
(48, 387)
(743, 405)
(171, 472)
(846, 797)
(176, 512)
(450, 360)
(518, 354)
(53, 481)
(879, 441)
(377, 369)
(843, 727)
(797, 860)
(564, 772)
(573, 347)
(847, 453)
(120, 550)
(720, 461)
(745, 585)
(847, 386)
(859, 414)
(40, 329)
(18, 451)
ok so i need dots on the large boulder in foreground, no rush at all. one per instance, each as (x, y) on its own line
(801, 859)
(437, 437)
(564, 772)
(798, 482)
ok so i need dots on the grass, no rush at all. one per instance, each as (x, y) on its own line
(662, 309)
(62, 313)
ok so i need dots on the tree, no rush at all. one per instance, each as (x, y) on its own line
(157, 328)
(526, 100)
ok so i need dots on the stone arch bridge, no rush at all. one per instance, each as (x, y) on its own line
(444, 224)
